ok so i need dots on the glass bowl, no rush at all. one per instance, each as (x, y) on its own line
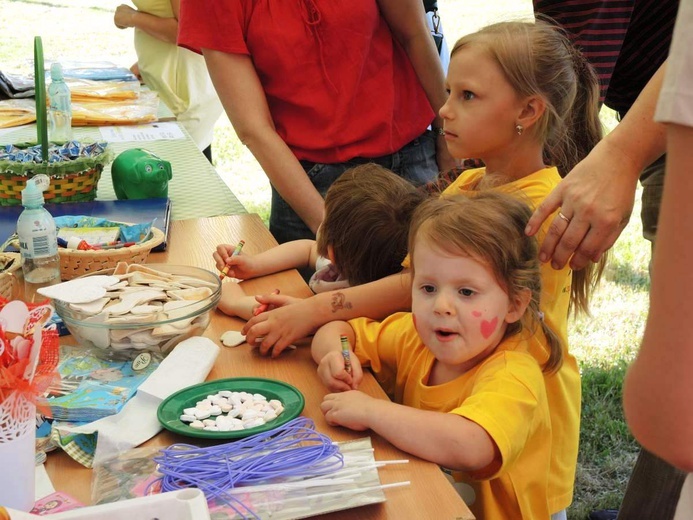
(158, 331)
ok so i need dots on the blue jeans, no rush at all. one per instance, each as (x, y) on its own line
(415, 162)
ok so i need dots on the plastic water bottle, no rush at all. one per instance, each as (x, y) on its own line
(38, 239)
(59, 107)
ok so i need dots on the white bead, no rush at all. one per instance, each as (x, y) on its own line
(188, 418)
(197, 424)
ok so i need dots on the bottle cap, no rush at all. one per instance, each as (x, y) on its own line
(56, 71)
(32, 194)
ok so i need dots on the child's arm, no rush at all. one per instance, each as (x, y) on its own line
(282, 326)
(444, 438)
(327, 353)
(290, 255)
(234, 301)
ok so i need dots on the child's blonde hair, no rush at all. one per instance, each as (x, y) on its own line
(367, 214)
(539, 59)
(490, 227)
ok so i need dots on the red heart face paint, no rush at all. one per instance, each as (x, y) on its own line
(488, 327)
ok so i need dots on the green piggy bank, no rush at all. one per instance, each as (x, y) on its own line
(140, 174)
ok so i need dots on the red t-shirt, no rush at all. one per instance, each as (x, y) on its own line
(337, 84)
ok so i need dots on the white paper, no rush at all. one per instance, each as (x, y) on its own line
(184, 504)
(17, 473)
(44, 486)
(188, 364)
(140, 133)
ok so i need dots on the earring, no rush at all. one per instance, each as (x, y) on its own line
(519, 129)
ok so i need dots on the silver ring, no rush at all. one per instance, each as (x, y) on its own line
(564, 217)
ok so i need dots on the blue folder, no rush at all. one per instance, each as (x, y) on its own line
(130, 211)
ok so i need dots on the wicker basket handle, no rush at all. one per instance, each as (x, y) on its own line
(40, 89)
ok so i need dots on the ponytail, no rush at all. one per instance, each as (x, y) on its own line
(583, 128)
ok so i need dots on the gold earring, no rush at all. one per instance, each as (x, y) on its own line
(519, 129)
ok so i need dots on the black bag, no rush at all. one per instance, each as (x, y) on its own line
(430, 6)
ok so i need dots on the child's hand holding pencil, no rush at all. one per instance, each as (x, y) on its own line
(230, 262)
(340, 370)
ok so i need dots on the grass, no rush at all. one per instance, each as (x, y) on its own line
(604, 343)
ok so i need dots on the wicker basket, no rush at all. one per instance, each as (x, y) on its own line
(73, 181)
(8, 281)
(74, 262)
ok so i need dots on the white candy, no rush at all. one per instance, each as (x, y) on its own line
(231, 411)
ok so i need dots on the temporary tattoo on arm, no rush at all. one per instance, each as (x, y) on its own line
(339, 302)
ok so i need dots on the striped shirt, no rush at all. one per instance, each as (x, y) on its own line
(625, 40)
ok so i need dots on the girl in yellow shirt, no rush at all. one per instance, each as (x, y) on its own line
(464, 368)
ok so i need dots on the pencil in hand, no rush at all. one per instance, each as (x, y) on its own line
(345, 353)
(225, 270)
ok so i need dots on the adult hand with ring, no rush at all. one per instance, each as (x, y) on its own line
(560, 214)
(595, 201)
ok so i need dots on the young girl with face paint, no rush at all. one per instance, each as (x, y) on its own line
(464, 368)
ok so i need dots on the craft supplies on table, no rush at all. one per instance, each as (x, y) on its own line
(137, 211)
(197, 190)
(171, 409)
(187, 504)
(135, 308)
(55, 503)
(189, 363)
(288, 473)
(92, 387)
(27, 360)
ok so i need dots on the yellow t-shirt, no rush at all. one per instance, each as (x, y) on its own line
(505, 395)
(563, 387)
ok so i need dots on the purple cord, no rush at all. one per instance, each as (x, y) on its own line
(292, 450)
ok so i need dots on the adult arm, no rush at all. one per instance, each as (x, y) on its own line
(658, 392)
(284, 325)
(598, 194)
(407, 21)
(239, 88)
(164, 29)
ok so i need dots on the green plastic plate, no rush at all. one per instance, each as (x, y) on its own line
(172, 407)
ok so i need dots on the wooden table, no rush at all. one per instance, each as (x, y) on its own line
(192, 242)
